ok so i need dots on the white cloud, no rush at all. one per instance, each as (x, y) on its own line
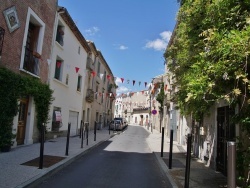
(160, 43)
(122, 47)
(91, 31)
(121, 89)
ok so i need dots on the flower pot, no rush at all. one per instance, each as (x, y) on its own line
(5, 148)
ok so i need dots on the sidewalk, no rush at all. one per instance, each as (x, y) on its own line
(14, 173)
(200, 175)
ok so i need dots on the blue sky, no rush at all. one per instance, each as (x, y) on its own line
(131, 34)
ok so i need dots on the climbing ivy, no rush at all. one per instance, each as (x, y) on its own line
(209, 56)
(13, 87)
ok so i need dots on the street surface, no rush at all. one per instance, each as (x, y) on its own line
(123, 161)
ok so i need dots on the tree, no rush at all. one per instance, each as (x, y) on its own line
(209, 57)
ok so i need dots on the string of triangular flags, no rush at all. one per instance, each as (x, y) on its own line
(109, 77)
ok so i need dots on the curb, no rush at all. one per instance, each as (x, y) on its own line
(33, 182)
(165, 170)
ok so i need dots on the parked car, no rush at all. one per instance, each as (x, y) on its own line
(116, 125)
(123, 120)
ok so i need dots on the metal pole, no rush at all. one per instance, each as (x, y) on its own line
(109, 127)
(67, 143)
(95, 131)
(231, 167)
(87, 127)
(162, 141)
(188, 158)
(151, 128)
(82, 137)
(41, 148)
(170, 149)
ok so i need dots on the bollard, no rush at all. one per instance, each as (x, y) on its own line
(95, 131)
(87, 135)
(82, 137)
(41, 148)
(109, 127)
(231, 167)
(170, 149)
(162, 141)
(67, 143)
(151, 128)
(188, 158)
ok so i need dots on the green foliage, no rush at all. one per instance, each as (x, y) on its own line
(13, 87)
(209, 57)
(160, 97)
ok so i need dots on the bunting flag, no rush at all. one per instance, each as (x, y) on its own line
(122, 79)
(133, 82)
(145, 84)
(108, 77)
(93, 73)
(58, 64)
(142, 92)
(77, 69)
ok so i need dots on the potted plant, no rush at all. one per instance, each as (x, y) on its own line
(6, 137)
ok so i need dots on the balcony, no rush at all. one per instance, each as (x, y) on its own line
(32, 62)
(90, 95)
(90, 64)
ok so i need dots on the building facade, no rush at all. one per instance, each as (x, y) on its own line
(25, 48)
(67, 75)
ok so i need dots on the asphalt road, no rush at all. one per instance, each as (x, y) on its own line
(123, 161)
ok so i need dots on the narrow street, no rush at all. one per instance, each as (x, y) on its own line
(123, 161)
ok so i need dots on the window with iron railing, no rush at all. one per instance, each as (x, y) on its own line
(58, 69)
(60, 34)
(31, 61)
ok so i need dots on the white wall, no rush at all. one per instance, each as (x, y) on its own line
(66, 96)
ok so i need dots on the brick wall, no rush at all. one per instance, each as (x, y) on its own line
(12, 46)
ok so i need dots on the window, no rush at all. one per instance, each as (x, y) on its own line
(79, 83)
(79, 50)
(58, 69)
(33, 42)
(104, 80)
(98, 68)
(60, 34)
(103, 92)
(96, 90)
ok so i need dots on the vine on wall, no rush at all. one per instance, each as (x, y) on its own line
(15, 86)
(209, 56)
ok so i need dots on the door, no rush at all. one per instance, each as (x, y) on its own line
(21, 127)
(225, 132)
(73, 119)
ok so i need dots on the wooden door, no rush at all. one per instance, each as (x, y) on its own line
(23, 108)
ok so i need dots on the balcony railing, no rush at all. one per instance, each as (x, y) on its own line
(31, 62)
(90, 64)
(90, 95)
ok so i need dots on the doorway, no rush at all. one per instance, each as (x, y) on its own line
(225, 132)
(22, 117)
